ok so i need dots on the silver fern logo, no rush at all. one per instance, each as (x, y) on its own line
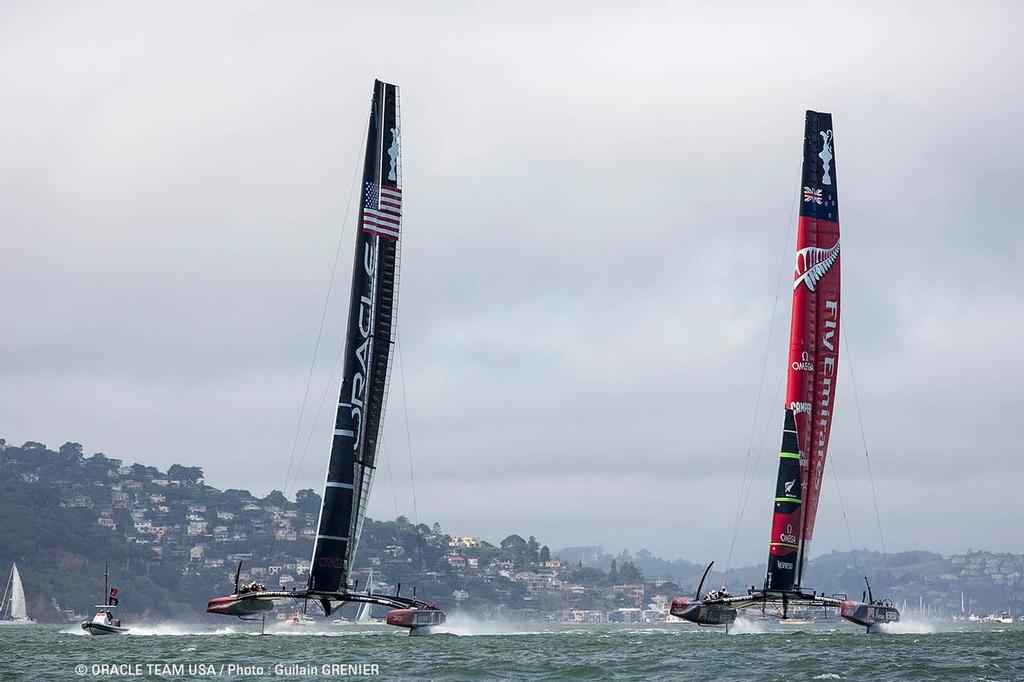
(812, 263)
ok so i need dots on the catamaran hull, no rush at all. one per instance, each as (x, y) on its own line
(418, 621)
(700, 613)
(101, 629)
(418, 617)
(234, 605)
(870, 616)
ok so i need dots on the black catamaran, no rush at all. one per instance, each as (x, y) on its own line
(810, 395)
(369, 348)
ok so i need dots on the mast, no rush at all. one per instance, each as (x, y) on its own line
(368, 349)
(3, 600)
(813, 360)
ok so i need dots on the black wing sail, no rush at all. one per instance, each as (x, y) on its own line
(368, 352)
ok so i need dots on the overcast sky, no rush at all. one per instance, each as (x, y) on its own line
(599, 207)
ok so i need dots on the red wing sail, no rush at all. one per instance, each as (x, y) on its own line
(813, 357)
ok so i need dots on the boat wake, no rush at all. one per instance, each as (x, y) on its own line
(910, 626)
(747, 626)
(467, 626)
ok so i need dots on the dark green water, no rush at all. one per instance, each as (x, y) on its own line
(666, 652)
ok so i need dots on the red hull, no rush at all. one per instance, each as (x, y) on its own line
(416, 618)
(238, 606)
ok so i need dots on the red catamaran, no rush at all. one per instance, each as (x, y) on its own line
(810, 396)
(369, 348)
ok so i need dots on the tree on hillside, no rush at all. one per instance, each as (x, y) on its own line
(532, 550)
(585, 575)
(276, 498)
(613, 573)
(308, 501)
(545, 553)
(178, 472)
(144, 472)
(514, 547)
(629, 573)
(99, 465)
(72, 451)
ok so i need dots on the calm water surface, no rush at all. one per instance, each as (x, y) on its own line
(470, 651)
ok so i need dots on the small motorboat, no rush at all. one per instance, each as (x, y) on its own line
(104, 623)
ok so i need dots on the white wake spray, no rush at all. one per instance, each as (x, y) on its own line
(748, 626)
(910, 626)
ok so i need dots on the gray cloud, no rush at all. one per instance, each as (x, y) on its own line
(597, 210)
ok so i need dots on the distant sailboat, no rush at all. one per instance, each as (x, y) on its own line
(364, 616)
(13, 610)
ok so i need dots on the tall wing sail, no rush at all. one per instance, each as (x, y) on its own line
(368, 349)
(18, 610)
(813, 357)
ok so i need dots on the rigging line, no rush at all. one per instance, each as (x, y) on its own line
(867, 459)
(391, 479)
(316, 419)
(323, 312)
(757, 460)
(320, 330)
(842, 507)
(764, 370)
(408, 437)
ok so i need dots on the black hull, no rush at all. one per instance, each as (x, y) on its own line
(871, 616)
(722, 611)
(100, 629)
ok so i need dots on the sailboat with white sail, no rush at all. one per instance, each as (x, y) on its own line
(13, 609)
(368, 355)
(810, 395)
(364, 615)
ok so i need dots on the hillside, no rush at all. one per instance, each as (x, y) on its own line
(172, 542)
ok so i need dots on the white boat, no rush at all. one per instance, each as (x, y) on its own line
(13, 610)
(364, 615)
(104, 623)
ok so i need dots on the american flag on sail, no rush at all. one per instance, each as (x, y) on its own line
(382, 210)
